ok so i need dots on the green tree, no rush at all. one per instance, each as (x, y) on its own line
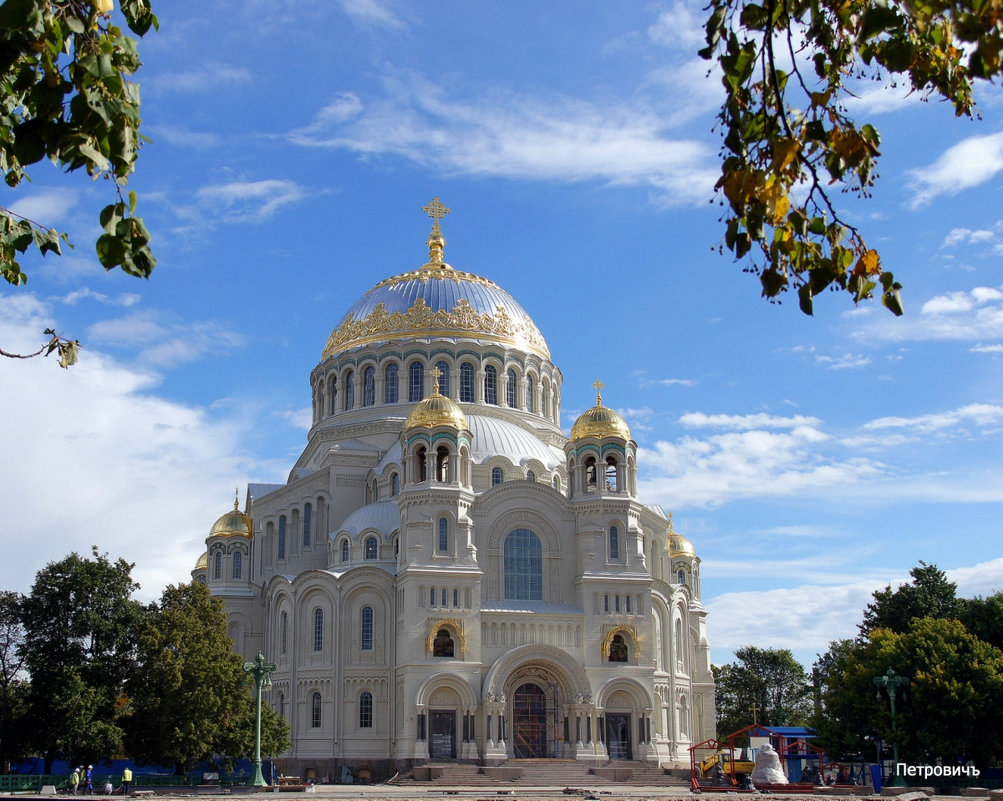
(929, 595)
(12, 684)
(788, 143)
(65, 72)
(983, 617)
(81, 629)
(769, 679)
(190, 698)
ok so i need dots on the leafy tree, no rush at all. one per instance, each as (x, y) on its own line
(770, 679)
(788, 142)
(190, 699)
(953, 705)
(983, 617)
(929, 595)
(81, 629)
(12, 684)
(65, 73)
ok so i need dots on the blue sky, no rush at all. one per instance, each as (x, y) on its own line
(810, 460)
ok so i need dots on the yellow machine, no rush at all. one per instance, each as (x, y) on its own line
(724, 758)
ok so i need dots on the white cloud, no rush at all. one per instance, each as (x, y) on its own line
(971, 162)
(94, 457)
(210, 76)
(509, 135)
(975, 314)
(959, 236)
(845, 361)
(47, 208)
(372, 12)
(250, 201)
(745, 421)
(182, 137)
(124, 299)
(981, 414)
(299, 418)
(987, 349)
(882, 99)
(680, 27)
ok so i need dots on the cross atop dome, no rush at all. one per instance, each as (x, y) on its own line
(435, 372)
(436, 209)
(598, 385)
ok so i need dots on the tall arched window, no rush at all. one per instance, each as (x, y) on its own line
(443, 378)
(391, 383)
(466, 383)
(510, 388)
(282, 705)
(217, 565)
(443, 535)
(491, 385)
(529, 394)
(307, 520)
(681, 577)
(530, 475)
(333, 395)
(614, 543)
(367, 628)
(344, 550)
(416, 382)
(612, 483)
(349, 390)
(366, 710)
(523, 566)
(284, 633)
(282, 537)
(237, 557)
(369, 386)
(315, 711)
(371, 548)
(497, 476)
(318, 629)
(442, 464)
(395, 485)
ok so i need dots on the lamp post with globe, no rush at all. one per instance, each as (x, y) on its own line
(891, 683)
(260, 670)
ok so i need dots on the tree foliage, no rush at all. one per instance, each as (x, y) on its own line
(788, 141)
(12, 684)
(190, 698)
(67, 96)
(929, 595)
(81, 630)
(770, 679)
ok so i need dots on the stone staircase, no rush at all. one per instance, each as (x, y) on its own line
(539, 773)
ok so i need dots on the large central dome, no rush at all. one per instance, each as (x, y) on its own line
(436, 301)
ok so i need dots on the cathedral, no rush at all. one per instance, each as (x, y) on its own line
(446, 575)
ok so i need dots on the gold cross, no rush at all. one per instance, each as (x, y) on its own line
(436, 210)
(435, 372)
(755, 710)
(598, 385)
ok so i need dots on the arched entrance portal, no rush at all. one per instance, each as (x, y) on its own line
(535, 722)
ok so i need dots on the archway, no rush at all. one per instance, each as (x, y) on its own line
(529, 722)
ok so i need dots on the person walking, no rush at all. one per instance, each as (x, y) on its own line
(126, 780)
(89, 780)
(75, 780)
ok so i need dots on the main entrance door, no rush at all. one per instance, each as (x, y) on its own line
(529, 722)
(618, 736)
(443, 735)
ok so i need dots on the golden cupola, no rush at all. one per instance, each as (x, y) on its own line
(678, 544)
(436, 410)
(233, 524)
(599, 421)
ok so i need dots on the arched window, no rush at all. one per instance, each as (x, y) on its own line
(614, 543)
(510, 388)
(612, 484)
(344, 550)
(416, 382)
(282, 537)
(442, 645)
(349, 390)
(617, 649)
(366, 710)
(681, 577)
(443, 535)
(318, 629)
(590, 474)
(557, 483)
(391, 383)
(497, 476)
(237, 556)
(443, 378)
(371, 548)
(307, 519)
(466, 383)
(369, 386)
(442, 464)
(523, 566)
(284, 634)
(530, 391)
(616, 607)
(282, 705)
(626, 601)
(333, 393)
(217, 565)
(530, 475)
(395, 485)
(491, 385)
(420, 456)
(367, 628)
(315, 711)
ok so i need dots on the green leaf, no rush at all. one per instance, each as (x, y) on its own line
(110, 250)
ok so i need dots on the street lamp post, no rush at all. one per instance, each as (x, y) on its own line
(260, 670)
(891, 683)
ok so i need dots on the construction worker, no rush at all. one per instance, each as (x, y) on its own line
(126, 780)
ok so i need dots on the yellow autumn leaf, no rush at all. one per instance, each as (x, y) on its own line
(869, 263)
(104, 6)
(784, 152)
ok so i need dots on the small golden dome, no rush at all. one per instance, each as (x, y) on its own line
(436, 410)
(599, 421)
(680, 546)
(203, 562)
(233, 524)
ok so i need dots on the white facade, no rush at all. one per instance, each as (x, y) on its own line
(450, 576)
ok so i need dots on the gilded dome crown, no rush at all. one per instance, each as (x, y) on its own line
(203, 562)
(680, 546)
(599, 421)
(233, 524)
(436, 410)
